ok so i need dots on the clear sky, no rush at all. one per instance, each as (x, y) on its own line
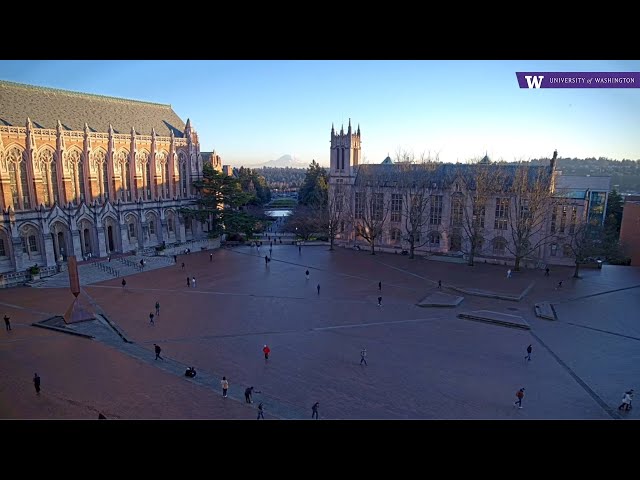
(255, 111)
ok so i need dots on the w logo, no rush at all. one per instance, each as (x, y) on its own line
(534, 81)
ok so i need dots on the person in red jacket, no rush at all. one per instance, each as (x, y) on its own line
(266, 350)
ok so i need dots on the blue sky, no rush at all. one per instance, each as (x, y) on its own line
(255, 111)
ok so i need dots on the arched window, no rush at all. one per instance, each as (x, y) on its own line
(455, 242)
(30, 244)
(147, 167)
(83, 196)
(24, 184)
(152, 228)
(4, 245)
(499, 246)
(105, 180)
(170, 223)
(183, 177)
(166, 180)
(124, 176)
(47, 161)
(13, 182)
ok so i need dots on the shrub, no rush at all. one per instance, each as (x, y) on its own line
(34, 270)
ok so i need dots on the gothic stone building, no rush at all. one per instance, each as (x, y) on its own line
(89, 175)
(571, 198)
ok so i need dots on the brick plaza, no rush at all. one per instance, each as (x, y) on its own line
(423, 363)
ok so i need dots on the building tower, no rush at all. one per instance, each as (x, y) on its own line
(345, 155)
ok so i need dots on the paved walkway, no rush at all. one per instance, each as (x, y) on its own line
(423, 363)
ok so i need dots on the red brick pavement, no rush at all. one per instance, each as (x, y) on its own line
(423, 363)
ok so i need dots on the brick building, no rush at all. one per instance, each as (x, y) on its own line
(630, 228)
(91, 175)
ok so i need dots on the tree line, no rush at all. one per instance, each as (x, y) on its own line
(230, 204)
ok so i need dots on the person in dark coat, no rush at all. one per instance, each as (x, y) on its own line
(36, 383)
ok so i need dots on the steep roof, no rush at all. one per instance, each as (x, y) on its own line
(45, 106)
(439, 175)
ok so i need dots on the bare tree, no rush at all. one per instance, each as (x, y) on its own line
(370, 207)
(303, 222)
(482, 183)
(583, 239)
(333, 215)
(410, 206)
(524, 209)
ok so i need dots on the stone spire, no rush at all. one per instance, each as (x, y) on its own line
(59, 137)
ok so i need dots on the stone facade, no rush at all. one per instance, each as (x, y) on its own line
(93, 191)
(571, 199)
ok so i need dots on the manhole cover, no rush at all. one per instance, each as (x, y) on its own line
(514, 309)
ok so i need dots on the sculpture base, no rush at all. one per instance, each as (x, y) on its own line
(78, 311)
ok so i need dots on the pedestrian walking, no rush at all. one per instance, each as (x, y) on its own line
(379, 301)
(299, 248)
(7, 323)
(528, 355)
(175, 259)
(440, 284)
(124, 283)
(225, 386)
(36, 383)
(247, 394)
(211, 257)
(314, 410)
(188, 282)
(157, 308)
(559, 285)
(193, 282)
(380, 286)
(546, 272)
(266, 259)
(363, 356)
(307, 274)
(318, 289)
(270, 250)
(266, 350)
(151, 318)
(260, 411)
(142, 264)
(519, 396)
(626, 401)
(158, 350)
(509, 273)
(182, 265)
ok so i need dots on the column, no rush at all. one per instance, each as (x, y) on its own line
(102, 244)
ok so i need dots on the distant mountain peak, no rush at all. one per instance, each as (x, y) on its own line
(286, 161)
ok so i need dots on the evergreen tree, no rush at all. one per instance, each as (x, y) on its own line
(315, 189)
